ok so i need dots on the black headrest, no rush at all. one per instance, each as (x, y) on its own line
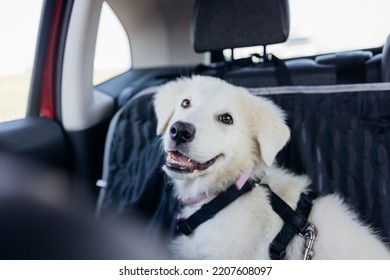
(228, 24)
(386, 61)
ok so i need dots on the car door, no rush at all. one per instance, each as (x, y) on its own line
(32, 121)
(29, 125)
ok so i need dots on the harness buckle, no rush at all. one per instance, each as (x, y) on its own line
(309, 236)
(184, 227)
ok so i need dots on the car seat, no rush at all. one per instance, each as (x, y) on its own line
(340, 138)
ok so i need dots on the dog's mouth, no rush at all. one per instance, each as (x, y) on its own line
(178, 162)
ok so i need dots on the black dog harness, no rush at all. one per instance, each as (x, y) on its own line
(295, 222)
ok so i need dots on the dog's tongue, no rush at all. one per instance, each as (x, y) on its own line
(180, 161)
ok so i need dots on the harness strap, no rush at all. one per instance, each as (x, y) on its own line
(295, 222)
(208, 210)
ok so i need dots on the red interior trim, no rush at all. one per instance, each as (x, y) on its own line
(47, 106)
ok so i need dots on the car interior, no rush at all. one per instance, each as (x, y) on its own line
(104, 136)
(323, 96)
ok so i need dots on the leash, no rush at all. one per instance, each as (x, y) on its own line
(295, 222)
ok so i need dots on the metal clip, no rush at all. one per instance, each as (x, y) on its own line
(310, 236)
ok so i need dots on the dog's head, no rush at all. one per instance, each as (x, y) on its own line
(213, 129)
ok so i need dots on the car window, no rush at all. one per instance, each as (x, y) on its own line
(112, 54)
(18, 33)
(326, 26)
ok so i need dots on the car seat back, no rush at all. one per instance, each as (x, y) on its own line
(340, 138)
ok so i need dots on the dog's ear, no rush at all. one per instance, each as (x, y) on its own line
(165, 102)
(272, 131)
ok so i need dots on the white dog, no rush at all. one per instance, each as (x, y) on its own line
(215, 136)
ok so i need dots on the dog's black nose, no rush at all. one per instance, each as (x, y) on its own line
(182, 132)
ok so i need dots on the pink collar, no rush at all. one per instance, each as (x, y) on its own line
(203, 196)
(198, 198)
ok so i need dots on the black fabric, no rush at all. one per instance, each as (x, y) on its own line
(230, 71)
(282, 73)
(295, 222)
(331, 59)
(136, 183)
(288, 215)
(321, 71)
(341, 140)
(240, 23)
(350, 69)
(210, 209)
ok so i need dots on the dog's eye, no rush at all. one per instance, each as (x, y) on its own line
(226, 118)
(186, 103)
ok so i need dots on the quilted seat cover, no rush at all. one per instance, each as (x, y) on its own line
(340, 138)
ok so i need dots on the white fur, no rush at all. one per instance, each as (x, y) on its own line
(245, 228)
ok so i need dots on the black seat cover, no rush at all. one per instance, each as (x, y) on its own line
(341, 140)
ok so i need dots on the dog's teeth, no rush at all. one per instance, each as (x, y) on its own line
(180, 161)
